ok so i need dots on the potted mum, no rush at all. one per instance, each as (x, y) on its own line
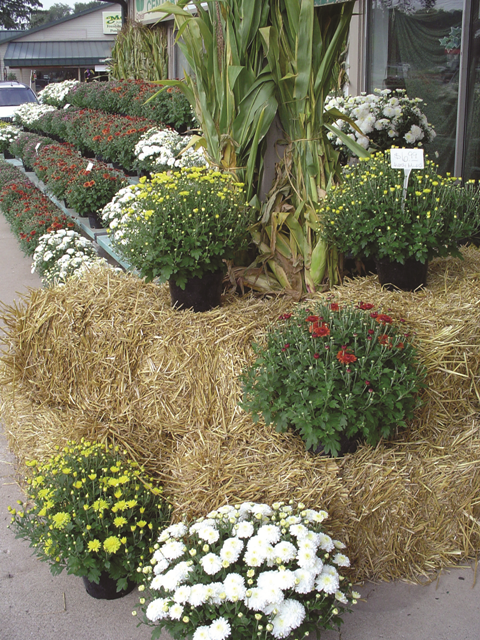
(181, 227)
(334, 375)
(383, 118)
(370, 216)
(163, 149)
(247, 571)
(94, 512)
(61, 254)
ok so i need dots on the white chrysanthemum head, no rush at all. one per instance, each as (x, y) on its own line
(198, 595)
(173, 549)
(234, 586)
(211, 563)
(157, 609)
(220, 629)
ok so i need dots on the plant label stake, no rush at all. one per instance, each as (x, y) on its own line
(89, 167)
(406, 159)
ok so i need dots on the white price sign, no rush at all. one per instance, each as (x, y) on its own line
(407, 159)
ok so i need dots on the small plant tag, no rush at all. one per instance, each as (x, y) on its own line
(89, 167)
(406, 159)
(66, 106)
(36, 146)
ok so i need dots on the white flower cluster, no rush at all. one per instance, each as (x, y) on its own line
(28, 113)
(263, 560)
(7, 135)
(385, 118)
(119, 210)
(55, 93)
(62, 254)
(163, 149)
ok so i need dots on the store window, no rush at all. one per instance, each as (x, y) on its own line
(415, 45)
(472, 121)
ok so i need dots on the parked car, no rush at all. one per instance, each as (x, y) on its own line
(12, 95)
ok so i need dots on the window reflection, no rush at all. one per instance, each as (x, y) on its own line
(415, 45)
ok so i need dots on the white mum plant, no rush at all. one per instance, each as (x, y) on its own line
(28, 113)
(164, 149)
(7, 135)
(247, 571)
(385, 118)
(55, 93)
(61, 254)
(119, 210)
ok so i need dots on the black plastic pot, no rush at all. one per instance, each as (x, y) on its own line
(407, 277)
(200, 294)
(106, 589)
(94, 221)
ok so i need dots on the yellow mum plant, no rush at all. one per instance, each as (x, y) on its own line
(91, 511)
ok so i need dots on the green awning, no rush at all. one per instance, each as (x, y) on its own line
(53, 54)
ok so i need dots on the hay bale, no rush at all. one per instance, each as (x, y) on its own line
(106, 357)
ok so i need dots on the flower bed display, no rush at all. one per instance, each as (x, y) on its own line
(129, 97)
(111, 137)
(30, 213)
(87, 185)
(26, 146)
(166, 385)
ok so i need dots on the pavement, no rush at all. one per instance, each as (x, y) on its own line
(34, 604)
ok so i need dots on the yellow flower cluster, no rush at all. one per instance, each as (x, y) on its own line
(89, 504)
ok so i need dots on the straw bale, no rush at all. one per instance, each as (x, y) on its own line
(106, 357)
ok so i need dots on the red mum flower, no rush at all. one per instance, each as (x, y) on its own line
(374, 315)
(321, 332)
(365, 306)
(370, 332)
(383, 318)
(385, 341)
(346, 358)
(285, 316)
(311, 319)
(334, 306)
(316, 356)
(400, 345)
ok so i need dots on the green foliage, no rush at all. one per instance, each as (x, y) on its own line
(179, 225)
(328, 372)
(91, 510)
(229, 86)
(366, 216)
(15, 14)
(140, 53)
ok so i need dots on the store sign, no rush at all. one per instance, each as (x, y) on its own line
(112, 22)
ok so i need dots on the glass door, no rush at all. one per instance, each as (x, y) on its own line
(471, 164)
(415, 45)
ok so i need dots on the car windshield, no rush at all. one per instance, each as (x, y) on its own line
(16, 95)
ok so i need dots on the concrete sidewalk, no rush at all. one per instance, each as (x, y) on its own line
(35, 604)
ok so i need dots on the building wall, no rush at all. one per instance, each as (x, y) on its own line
(89, 27)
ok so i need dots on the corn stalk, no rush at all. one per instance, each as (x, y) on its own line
(229, 85)
(303, 46)
(140, 53)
